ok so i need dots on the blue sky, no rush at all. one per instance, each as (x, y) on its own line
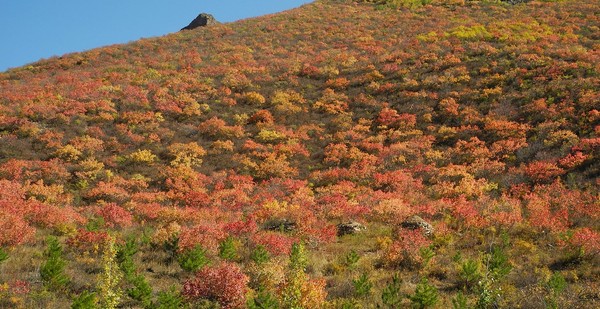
(35, 29)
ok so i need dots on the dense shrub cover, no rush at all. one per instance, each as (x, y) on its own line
(216, 150)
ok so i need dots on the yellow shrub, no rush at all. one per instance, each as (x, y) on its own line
(142, 156)
(188, 155)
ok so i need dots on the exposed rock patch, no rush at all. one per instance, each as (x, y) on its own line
(202, 20)
(415, 222)
(281, 225)
(350, 227)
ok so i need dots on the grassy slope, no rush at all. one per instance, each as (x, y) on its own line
(498, 115)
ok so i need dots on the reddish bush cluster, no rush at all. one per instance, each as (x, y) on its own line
(224, 283)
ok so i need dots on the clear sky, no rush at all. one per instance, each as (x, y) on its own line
(34, 29)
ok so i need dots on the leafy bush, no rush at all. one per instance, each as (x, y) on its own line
(225, 283)
(109, 280)
(476, 32)
(291, 294)
(498, 263)
(555, 285)
(141, 156)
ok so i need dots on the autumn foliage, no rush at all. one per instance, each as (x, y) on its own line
(480, 117)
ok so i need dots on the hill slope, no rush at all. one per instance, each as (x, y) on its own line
(483, 119)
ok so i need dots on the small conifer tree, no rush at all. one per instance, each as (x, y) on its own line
(85, 300)
(3, 255)
(390, 295)
(52, 271)
(260, 255)
(193, 260)
(227, 249)
(263, 300)
(169, 299)
(426, 295)
(362, 285)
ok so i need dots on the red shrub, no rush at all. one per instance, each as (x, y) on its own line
(586, 241)
(390, 118)
(207, 235)
(261, 116)
(114, 215)
(20, 287)
(572, 160)
(14, 230)
(241, 227)
(54, 217)
(406, 249)
(86, 240)
(542, 215)
(275, 243)
(467, 214)
(224, 283)
(540, 171)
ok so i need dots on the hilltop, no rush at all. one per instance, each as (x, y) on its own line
(215, 166)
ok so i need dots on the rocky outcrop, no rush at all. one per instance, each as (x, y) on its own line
(415, 222)
(202, 20)
(513, 2)
(350, 227)
(280, 225)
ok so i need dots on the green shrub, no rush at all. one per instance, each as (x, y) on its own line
(351, 259)
(499, 265)
(193, 260)
(425, 296)
(469, 273)
(52, 271)
(391, 295)
(264, 300)
(85, 300)
(3, 255)
(295, 278)
(141, 290)
(555, 285)
(125, 258)
(260, 255)
(460, 301)
(362, 285)
(170, 299)
(427, 254)
(228, 250)
(477, 32)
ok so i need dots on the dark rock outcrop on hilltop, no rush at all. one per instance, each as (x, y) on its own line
(202, 20)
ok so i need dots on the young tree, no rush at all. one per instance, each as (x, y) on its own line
(52, 271)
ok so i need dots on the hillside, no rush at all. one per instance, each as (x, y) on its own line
(213, 167)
